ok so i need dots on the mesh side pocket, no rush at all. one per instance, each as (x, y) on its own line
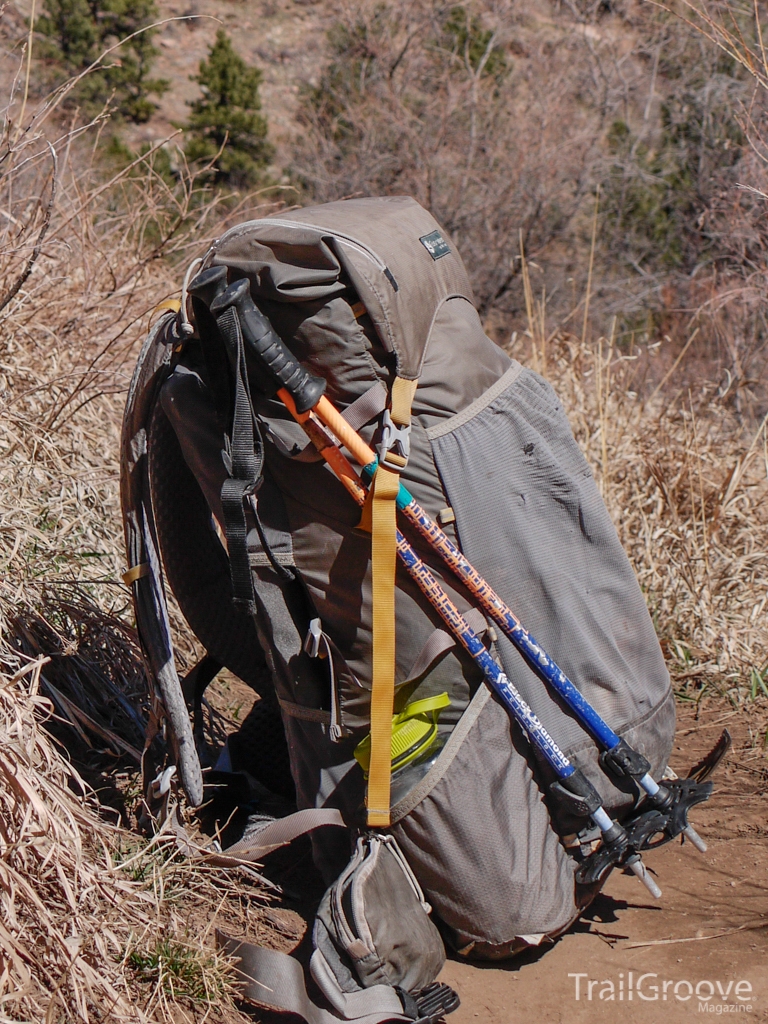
(481, 844)
(530, 518)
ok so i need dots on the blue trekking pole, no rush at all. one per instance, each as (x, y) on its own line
(672, 800)
(572, 785)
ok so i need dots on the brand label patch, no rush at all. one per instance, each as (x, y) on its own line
(435, 245)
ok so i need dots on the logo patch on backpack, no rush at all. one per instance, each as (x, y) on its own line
(435, 245)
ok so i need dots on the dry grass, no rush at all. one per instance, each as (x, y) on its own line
(95, 922)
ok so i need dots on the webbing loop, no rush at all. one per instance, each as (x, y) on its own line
(396, 424)
(381, 509)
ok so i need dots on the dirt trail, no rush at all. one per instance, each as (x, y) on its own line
(723, 893)
(710, 927)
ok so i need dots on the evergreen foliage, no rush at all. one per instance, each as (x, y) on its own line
(226, 118)
(466, 38)
(77, 33)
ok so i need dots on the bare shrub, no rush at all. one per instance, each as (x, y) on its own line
(513, 122)
(97, 923)
(435, 102)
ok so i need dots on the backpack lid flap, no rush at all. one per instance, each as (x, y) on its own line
(284, 262)
(395, 255)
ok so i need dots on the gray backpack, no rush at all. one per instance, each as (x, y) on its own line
(272, 571)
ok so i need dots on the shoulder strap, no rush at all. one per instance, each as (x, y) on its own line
(144, 575)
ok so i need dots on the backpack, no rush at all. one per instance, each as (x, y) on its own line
(229, 504)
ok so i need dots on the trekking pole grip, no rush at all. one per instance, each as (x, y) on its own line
(305, 389)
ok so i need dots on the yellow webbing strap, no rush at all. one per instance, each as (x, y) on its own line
(138, 572)
(402, 399)
(386, 484)
(167, 305)
(384, 559)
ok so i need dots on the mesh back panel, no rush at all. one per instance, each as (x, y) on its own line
(260, 748)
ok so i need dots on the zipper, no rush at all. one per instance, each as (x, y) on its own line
(350, 240)
(338, 916)
(405, 867)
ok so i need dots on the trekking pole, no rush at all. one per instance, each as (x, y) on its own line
(572, 784)
(619, 757)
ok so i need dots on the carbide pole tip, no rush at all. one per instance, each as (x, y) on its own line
(639, 869)
(690, 833)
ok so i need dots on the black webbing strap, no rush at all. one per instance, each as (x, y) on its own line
(245, 471)
(284, 573)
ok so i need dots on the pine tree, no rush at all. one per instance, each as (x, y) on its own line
(79, 31)
(226, 116)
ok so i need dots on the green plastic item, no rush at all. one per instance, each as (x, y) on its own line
(414, 730)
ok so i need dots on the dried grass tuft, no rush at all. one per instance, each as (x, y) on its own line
(96, 923)
(64, 906)
(93, 673)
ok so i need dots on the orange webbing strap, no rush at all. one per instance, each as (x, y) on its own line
(382, 508)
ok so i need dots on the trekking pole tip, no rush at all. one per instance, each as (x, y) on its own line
(637, 867)
(690, 833)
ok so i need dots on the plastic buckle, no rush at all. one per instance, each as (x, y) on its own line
(391, 436)
(313, 638)
(161, 785)
(435, 1001)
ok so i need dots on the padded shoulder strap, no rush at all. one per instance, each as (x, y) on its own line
(144, 569)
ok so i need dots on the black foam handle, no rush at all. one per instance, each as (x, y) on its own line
(260, 338)
(208, 284)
